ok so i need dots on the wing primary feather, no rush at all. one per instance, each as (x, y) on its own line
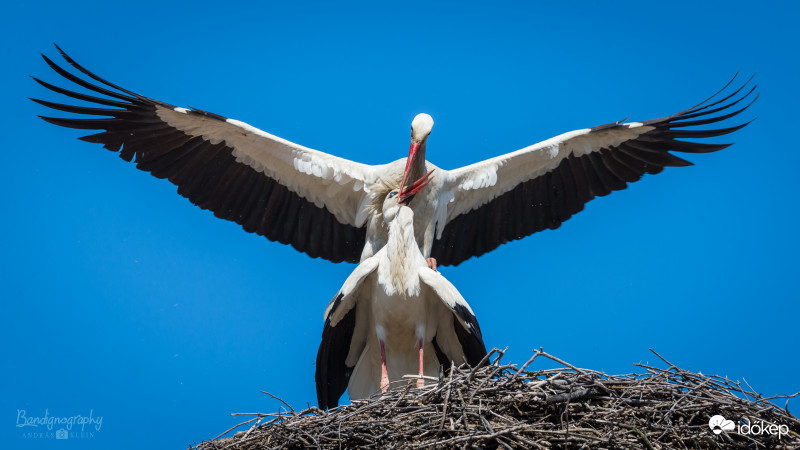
(74, 64)
(700, 106)
(83, 124)
(85, 97)
(693, 112)
(702, 111)
(86, 110)
(709, 120)
(693, 134)
(83, 83)
(677, 118)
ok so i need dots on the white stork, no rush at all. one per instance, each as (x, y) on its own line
(316, 202)
(393, 316)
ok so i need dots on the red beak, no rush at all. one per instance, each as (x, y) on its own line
(407, 194)
(412, 155)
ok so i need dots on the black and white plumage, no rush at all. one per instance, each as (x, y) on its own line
(394, 302)
(316, 202)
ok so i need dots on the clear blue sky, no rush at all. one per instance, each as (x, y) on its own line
(122, 298)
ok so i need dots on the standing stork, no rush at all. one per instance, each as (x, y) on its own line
(394, 315)
(316, 202)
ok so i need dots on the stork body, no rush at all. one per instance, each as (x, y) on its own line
(394, 316)
(316, 202)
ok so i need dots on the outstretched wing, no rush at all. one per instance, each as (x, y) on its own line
(539, 187)
(343, 337)
(272, 187)
(468, 337)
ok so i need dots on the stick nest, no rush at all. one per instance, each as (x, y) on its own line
(499, 405)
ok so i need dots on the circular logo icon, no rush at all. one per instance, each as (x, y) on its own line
(718, 424)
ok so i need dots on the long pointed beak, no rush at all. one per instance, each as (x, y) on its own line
(412, 155)
(407, 194)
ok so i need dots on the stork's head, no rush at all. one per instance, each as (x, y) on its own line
(392, 206)
(421, 128)
(398, 199)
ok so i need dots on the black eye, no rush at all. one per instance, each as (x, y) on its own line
(392, 194)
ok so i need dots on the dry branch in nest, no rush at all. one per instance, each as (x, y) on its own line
(499, 405)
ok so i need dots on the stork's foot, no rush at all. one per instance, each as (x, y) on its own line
(420, 383)
(431, 263)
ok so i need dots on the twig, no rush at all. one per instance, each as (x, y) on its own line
(280, 400)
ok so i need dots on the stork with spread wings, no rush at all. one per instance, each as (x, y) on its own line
(318, 202)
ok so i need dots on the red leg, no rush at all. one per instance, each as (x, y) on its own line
(384, 373)
(431, 263)
(420, 381)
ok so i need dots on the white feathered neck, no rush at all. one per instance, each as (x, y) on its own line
(400, 259)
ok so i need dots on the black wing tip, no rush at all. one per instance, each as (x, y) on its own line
(708, 116)
(95, 77)
(55, 121)
(703, 105)
(719, 147)
(48, 60)
(735, 75)
(41, 82)
(41, 102)
(66, 57)
(739, 127)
